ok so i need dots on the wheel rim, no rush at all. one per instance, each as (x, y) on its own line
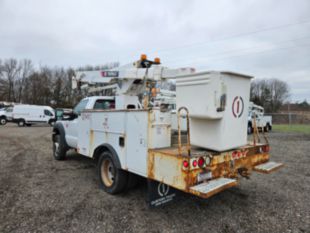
(56, 146)
(2, 121)
(21, 123)
(107, 172)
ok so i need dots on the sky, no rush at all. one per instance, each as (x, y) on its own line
(266, 39)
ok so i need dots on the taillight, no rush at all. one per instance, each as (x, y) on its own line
(194, 163)
(201, 162)
(185, 164)
(266, 148)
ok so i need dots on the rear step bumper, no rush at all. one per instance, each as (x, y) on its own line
(268, 167)
(208, 189)
(212, 187)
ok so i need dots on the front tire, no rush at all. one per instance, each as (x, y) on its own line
(112, 179)
(59, 149)
(3, 121)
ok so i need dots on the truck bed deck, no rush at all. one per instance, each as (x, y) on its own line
(198, 151)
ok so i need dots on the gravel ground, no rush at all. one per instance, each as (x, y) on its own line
(39, 194)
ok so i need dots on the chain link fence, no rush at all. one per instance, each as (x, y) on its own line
(290, 118)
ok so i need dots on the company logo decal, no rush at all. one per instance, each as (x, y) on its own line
(163, 189)
(237, 106)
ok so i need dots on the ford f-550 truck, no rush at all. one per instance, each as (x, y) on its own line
(129, 136)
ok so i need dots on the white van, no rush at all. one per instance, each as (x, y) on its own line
(30, 114)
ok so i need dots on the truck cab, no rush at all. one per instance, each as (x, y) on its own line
(92, 103)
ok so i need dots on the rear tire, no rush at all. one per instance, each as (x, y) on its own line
(269, 127)
(112, 179)
(21, 123)
(59, 149)
(3, 121)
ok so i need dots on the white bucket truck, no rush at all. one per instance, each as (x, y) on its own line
(263, 123)
(128, 136)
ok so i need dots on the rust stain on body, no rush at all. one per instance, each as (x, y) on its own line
(91, 142)
(166, 165)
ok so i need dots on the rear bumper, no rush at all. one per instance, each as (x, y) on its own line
(222, 172)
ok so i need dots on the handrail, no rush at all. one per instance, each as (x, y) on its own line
(188, 145)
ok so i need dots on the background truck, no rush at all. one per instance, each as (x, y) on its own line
(128, 136)
(6, 115)
(262, 122)
(3, 119)
(24, 114)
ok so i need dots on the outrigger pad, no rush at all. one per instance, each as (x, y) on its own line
(212, 187)
(268, 167)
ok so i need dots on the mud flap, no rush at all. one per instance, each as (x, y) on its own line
(159, 194)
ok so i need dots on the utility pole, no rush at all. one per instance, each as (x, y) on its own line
(289, 113)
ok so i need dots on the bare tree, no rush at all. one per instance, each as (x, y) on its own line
(21, 82)
(10, 72)
(25, 72)
(269, 93)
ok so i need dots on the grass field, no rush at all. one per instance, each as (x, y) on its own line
(292, 128)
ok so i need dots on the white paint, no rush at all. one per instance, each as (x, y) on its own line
(201, 94)
(33, 113)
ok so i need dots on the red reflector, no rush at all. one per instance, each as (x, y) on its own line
(201, 162)
(266, 149)
(185, 163)
(195, 163)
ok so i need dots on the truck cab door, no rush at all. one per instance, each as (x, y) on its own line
(71, 132)
(71, 127)
(85, 134)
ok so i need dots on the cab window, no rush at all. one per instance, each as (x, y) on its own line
(80, 106)
(47, 113)
(59, 113)
(104, 104)
(9, 110)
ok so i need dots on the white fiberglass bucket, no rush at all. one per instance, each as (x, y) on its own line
(218, 108)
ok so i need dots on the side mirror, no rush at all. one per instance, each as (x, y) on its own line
(75, 114)
(71, 116)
